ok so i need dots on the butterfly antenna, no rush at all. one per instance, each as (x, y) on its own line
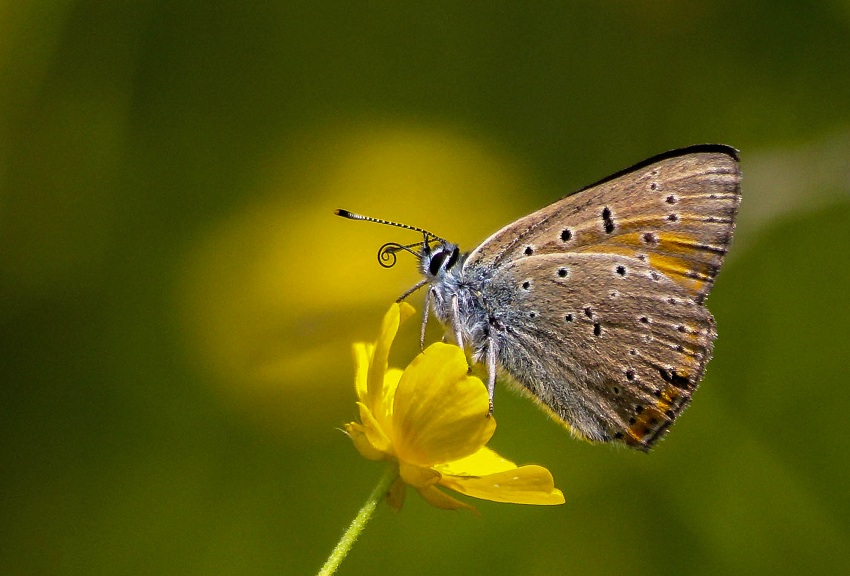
(353, 216)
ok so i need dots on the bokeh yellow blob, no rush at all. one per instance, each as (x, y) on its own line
(272, 296)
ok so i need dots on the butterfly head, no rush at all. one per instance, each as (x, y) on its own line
(435, 262)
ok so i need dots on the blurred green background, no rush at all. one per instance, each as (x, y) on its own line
(177, 301)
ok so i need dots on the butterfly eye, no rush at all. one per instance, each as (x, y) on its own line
(453, 258)
(437, 262)
(443, 258)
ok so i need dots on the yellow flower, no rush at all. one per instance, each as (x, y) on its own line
(432, 421)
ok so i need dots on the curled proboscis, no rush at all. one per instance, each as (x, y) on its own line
(387, 254)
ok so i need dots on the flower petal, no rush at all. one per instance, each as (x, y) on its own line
(439, 412)
(396, 493)
(384, 411)
(374, 434)
(524, 485)
(418, 476)
(378, 367)
(357, 433)
(482, 463)
(438, 498)
(362, 357)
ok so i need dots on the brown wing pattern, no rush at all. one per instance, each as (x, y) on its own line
(606, 327)
(608, 345)
(677, 211)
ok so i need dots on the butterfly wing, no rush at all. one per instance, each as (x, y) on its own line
(607, 344)
(676, 210)
(606, 326)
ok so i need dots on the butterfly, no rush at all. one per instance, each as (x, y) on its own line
(594, 306)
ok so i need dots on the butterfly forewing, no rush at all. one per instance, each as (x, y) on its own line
(676, 211)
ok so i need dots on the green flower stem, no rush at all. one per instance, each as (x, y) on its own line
(359, 522)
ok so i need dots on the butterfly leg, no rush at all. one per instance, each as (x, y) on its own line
(491, 353)
(491, 371)
(456, 320)
(418, 285)
(426, 309)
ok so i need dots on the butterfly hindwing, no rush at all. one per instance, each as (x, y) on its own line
(608, 345)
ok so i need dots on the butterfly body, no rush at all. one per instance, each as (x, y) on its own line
(594, 305)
